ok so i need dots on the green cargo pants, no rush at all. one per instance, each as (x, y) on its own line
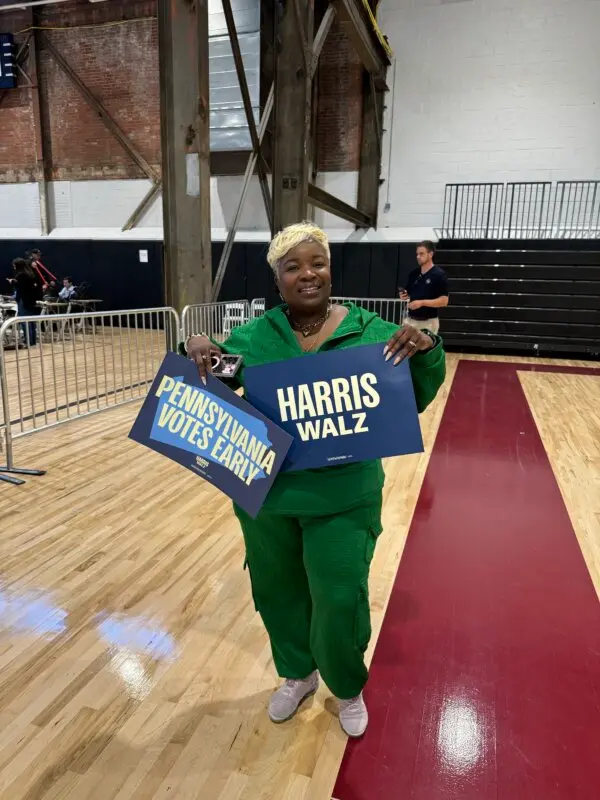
(310, 585)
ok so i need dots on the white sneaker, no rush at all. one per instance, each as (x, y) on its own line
(354, 716)
(287, 700)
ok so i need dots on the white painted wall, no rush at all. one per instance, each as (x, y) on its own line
(99, 209)
(487, 90)
(482, 90)
(107, 205)
(81, 209)
(19, 206)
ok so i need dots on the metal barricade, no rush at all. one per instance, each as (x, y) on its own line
(257, 307)
(61, 367)
(217, 320)
(214, 319)
(389, 309)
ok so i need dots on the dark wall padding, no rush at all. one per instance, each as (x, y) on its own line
(112, 268)
(114, 271)
(536, 296)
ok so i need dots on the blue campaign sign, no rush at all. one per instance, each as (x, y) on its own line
(340, 406)
(212, 432)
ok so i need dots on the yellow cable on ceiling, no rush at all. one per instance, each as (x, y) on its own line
(110, 24)
(378, 31)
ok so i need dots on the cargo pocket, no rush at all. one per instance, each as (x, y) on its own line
(247, 567)
(362, 625)
(372, 535)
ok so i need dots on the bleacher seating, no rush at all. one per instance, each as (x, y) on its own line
(539, 296)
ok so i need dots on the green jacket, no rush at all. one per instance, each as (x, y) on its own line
(330, 490)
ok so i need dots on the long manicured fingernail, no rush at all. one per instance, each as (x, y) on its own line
(389, 355)
(385, 349)
(203, 378)
(397, 360)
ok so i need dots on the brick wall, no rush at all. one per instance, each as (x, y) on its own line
(17, 142)
(118, 63)
(339, 110)
(488, 90)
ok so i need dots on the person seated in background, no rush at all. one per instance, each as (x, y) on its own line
(68, 292)
(426, 290)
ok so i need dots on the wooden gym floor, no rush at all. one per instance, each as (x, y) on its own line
(133, 665)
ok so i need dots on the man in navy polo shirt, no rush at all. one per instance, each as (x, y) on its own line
(426, 290)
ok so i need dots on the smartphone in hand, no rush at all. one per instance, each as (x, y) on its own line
(226, 366)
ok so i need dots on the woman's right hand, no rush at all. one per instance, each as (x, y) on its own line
(201, 351)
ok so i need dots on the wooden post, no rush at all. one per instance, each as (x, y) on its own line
(40, 113)
(292, 115)
(183, 62)
(370, 150)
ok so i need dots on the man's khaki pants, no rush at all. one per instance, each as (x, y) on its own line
(432, 325)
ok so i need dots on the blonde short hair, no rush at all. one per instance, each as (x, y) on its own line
(291, 237)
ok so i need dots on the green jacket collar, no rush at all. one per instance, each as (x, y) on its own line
(352, 323)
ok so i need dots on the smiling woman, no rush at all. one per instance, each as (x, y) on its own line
(300, 260)
(310, 548)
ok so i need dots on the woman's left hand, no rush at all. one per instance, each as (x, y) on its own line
(405, 343)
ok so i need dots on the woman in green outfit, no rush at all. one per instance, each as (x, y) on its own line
(310, 548)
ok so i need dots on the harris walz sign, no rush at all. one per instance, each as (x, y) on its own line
(340, 406)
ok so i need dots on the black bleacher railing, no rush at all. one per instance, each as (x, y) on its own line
(522, 210)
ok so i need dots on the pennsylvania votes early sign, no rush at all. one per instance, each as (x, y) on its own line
(212, 432)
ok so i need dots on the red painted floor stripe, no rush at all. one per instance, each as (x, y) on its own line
(485, 681)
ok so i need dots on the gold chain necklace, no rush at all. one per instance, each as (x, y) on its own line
(314, 345)
(306, 330)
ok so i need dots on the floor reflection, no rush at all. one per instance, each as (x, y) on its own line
(34, 612)
(132, 671)
(137, 634)
(460, 735)
(31, 612)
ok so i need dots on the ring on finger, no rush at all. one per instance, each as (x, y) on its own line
(412, 343)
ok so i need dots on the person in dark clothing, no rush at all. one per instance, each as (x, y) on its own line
(426, 290)
(27, 292)
(46, 280)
